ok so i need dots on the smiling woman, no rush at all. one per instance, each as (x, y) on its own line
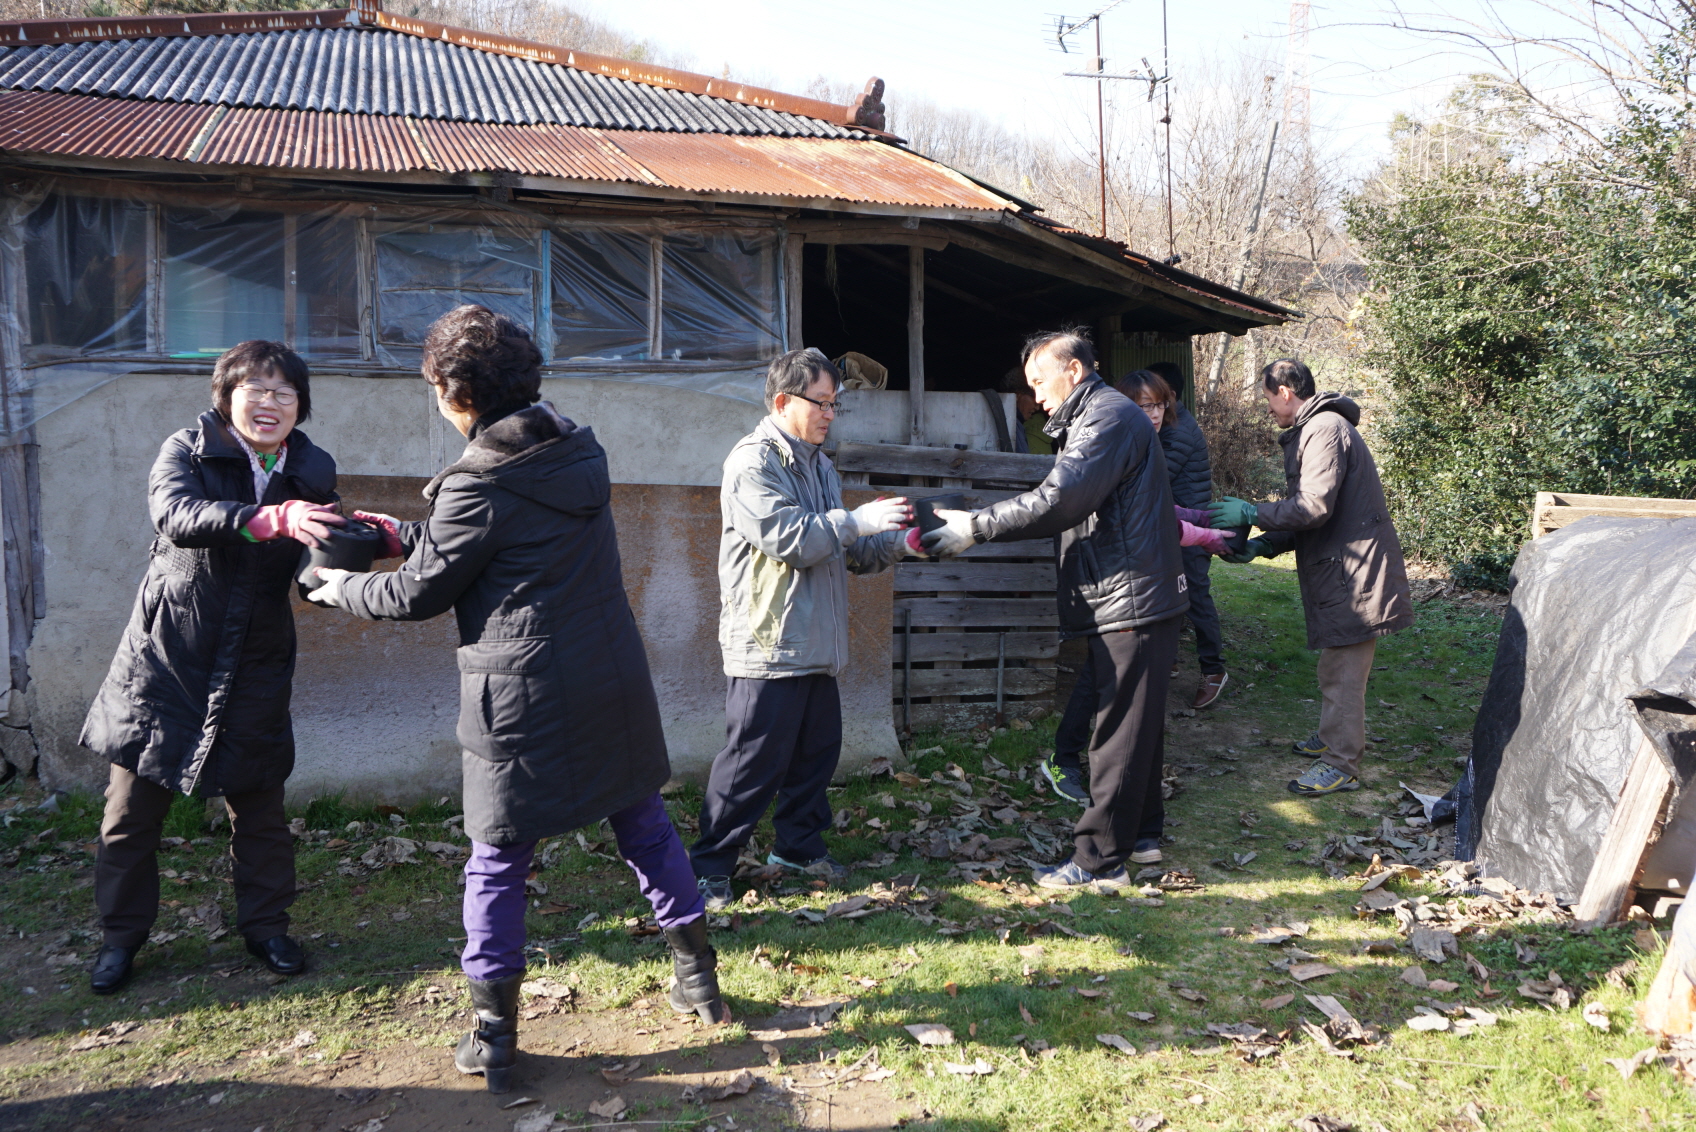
(197, 699)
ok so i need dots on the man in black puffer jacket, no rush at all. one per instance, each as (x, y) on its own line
(1108, 505)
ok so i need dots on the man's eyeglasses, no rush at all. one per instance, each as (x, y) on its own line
(259, 393)
(831, 407)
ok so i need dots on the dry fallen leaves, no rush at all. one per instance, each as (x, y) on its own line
(1118, 1042)
(1302, 972)
(978, 1068)
(931, 1034)
(1150, 1123)
(1277, 1002)
(1628, 1066)
(1597, 1015)
(612, 1108)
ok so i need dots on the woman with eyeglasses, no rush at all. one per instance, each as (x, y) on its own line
(196, 701)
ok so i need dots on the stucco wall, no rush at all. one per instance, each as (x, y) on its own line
(375, 704)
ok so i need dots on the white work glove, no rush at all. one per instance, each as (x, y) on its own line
(880, 515)
(330, 593)
(954, 536)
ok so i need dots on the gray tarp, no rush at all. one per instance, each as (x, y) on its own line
(1596, 650)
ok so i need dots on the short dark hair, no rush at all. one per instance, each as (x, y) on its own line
(1066, 344)
(1172, 372)
(482, 361)
(1140, 381)
(794, 372)
(254, 358)
(1291, 374)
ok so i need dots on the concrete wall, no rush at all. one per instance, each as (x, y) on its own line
(375, 704)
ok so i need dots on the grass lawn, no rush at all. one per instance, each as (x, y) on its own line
(1027, 984)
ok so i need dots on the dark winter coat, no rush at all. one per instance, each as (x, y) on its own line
(1108, 503)
(1186, 459)
(197, 698)
(1348, 558)
(557, 714)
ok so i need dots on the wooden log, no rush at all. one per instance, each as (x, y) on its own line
(974, 575)
(907, 460)
(977, 681)
(931, 647)
(1619, 858)
(979, 612)
(916, 341)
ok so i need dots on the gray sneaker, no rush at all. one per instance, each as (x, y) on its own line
(825, 868)
(716, 892)
(1066, 781)
(1324, 778)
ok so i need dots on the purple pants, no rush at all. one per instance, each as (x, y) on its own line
(495, 875)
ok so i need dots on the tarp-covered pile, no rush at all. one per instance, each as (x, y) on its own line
(1596, 651)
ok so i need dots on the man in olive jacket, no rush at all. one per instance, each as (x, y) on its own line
(785, 552)
(1107, 503)
(1348, 559)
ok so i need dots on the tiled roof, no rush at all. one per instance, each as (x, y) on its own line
(366, 70)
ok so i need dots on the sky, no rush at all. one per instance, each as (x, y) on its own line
(999, 57)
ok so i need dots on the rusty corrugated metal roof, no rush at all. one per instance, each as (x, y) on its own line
(307, 140)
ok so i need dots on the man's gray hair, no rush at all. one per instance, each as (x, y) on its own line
(1066, 344)
(795, 371)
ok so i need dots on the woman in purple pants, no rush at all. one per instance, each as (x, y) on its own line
(557, 717)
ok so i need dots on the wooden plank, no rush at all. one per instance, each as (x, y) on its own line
(792, 249)
(930, 647)
(1032, 548)
(1554, 518)
(915, 342)
(977, 681)
(976, 612)
(1630, 502)
(1608, 888)
(910, 460)
(956, 576)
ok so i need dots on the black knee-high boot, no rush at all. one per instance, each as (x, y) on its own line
(492, 1048)
(695, 963)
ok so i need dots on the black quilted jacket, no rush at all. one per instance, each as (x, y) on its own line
(1108, 503)
(1186, 460)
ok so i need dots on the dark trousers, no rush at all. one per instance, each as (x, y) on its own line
(126, 872)
(1072, 736)
(1132, 669)
(1209, 641)
(783, 740)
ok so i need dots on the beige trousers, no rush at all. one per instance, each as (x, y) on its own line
(1343, 672)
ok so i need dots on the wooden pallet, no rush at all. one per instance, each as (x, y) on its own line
(1556, 509)
(975, 631)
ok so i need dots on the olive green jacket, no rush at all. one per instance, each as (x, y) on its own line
(783, 560)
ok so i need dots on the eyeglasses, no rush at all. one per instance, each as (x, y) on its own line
(1151, 407)
(259, 393)
(831, 407)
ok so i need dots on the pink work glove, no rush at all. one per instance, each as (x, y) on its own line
(914, 547)
(390, 526)
(296, 519)
(1191, 535)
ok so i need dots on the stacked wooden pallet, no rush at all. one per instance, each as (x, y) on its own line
(975, 636)
(1553, 510)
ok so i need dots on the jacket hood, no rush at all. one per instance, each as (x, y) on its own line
(1328, 403)
(540, 455)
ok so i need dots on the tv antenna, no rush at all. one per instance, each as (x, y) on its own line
(1156, 83)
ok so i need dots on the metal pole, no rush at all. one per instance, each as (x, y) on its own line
(1166, 69)
(1101, 129)
(1000, 670)
(907, 671)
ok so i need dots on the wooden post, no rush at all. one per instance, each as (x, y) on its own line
(792, 290)
(916, 340)
(291, 277)
(1619, 858)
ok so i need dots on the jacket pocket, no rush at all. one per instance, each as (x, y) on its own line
(503, 685)
(769, 583)
(1328, 583)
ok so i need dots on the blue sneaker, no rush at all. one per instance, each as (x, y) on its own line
(1066, 781)
(1072, 875)
(825, 868)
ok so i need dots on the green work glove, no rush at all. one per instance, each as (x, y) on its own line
(1254, 548)
(1231, 512)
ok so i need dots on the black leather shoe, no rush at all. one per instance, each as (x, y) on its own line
(280, 953)
(111, 969)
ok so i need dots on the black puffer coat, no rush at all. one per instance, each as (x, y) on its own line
(197, 698)
(1108, 502)
(1186, 460)
(557, 714)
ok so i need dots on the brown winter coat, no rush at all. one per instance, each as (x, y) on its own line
(1348, 558)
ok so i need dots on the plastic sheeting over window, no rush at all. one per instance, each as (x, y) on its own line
(110, 281)
(86, 265)
(721, 301)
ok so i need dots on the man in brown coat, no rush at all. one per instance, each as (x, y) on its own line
(1348, 559)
